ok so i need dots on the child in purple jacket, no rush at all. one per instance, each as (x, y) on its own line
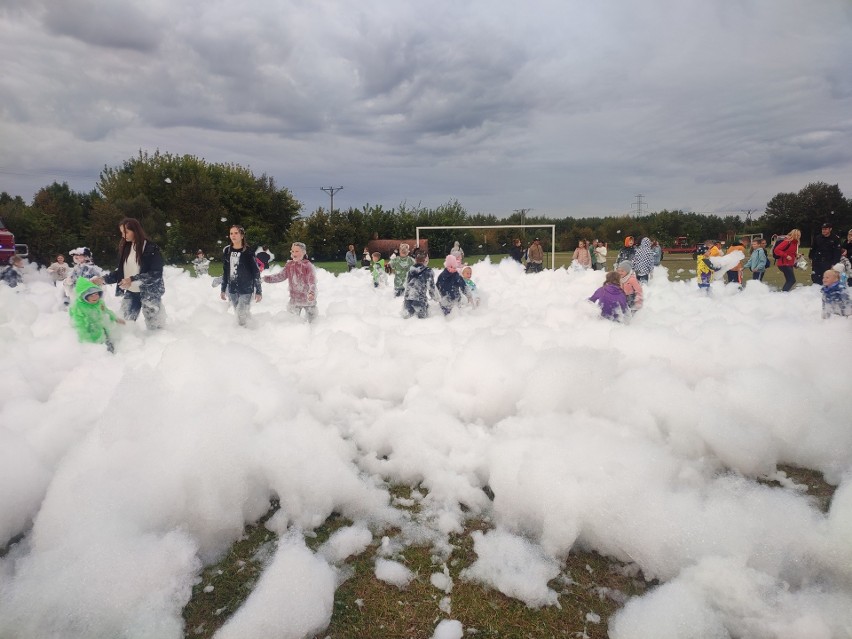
(611, 298)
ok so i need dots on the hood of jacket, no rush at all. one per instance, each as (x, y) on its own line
(84, 287)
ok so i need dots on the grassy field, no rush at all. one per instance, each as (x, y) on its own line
(681, 267)
(591, 587)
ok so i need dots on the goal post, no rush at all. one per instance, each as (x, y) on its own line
(552, 228)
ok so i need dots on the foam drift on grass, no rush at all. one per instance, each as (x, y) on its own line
(128, 472)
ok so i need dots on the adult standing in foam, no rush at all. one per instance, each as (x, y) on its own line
(581, 255)
(599, 263)
(658, 252)
(535, 257)
(825, 253)
(351, 259)
(457, 253)
(643, 260)
(516, 251)
(240, 275)
(846, 245)
(139, 275)
(787, 252)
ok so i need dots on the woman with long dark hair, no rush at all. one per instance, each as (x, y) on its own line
(139, 275)
(240, 274)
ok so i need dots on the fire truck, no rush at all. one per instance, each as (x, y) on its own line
(8, 248)
(681, 245)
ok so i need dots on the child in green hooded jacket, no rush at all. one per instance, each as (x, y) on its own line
(90, 315)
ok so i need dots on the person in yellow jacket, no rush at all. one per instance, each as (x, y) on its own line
(703, 266)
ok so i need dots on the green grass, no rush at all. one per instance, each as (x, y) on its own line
(366, 608)
(681, 267)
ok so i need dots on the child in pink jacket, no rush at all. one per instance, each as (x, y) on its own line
(303, 282)
(630, 285)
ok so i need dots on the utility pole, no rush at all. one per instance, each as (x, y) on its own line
(523, 214)
(331, 190)
(638, 205)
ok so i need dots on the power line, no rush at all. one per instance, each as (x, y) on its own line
(639, 207)
(331, 190)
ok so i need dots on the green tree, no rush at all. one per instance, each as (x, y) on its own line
(202, 199)
(807, 210)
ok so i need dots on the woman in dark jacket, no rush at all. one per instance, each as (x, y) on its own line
(240, 275)
(139, 275)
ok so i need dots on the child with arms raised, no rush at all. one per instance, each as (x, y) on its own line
(299, 272)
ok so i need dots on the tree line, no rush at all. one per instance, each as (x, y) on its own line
(186, 204)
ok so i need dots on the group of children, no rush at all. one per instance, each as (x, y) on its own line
(621, 295)
(415, 282)
(619, 298)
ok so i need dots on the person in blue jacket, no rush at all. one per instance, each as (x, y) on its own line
(451, 286)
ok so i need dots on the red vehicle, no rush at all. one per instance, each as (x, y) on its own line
(8, 248)
(681, 245)
(7, 244)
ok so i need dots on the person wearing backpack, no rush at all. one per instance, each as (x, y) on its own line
(758, 261)
(786, 252)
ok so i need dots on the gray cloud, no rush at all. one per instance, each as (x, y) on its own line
(105, 23)
(490, 102)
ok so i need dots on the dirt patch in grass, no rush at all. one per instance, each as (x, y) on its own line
(223, 587)
(804, 481)
(591, 588)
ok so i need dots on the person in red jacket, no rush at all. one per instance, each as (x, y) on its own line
(299, 272)
(786, 253)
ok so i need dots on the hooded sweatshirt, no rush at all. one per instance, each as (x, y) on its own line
(90, 320)
(643, 258)
(612, 300)
(420, 284)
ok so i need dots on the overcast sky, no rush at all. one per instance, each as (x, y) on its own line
(564, 107)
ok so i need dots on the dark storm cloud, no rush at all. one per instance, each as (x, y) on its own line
(485, 101)
(104, 23)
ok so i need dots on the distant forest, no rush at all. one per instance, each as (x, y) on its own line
(186, 204)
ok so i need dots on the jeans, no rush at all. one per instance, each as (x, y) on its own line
(242, 306)
(310, 311)
(789, 277)
(151, 307)
(412, 307)
(758, 275)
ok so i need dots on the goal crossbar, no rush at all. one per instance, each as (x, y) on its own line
(552, 228)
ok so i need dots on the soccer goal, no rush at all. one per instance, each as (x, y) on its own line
(552, 228)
